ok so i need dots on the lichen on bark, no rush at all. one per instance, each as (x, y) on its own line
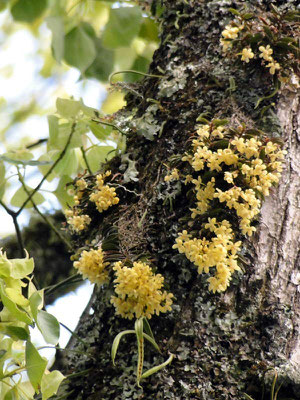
(224, 343)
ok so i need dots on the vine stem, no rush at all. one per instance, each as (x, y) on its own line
(62, 154)
(109, 124)
(85, 160)
(132, 71)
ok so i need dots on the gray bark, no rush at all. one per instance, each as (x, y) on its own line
(223, 344)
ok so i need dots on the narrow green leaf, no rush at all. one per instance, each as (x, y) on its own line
(220, 122)
(20, 196)
(147, 328)
(35, 365)
(116, 342)
(152, 371)
(122, 27)
(234, 11)
(56, 26)
(152, 341)
(50, 384)
(80, 49)
(28, 10)
(48, 326)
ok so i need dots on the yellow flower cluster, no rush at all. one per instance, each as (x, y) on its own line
(77, 222)
(139, 291)
(266, 54)
(174, 175)
(232, 32)
(91, 265)
(220, 252)
(104, 196)
(245, 167)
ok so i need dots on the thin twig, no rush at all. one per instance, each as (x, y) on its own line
(73, 333)
(14, 216)
(35, 144)
(47, 220)
(71, 279)
(49, 171)
(85, 160)
(132, 71)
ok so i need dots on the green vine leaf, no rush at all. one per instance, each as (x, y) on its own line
(35, 365)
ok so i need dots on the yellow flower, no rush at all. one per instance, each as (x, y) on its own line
(173, 176)
(230, 32)
(78, 222)
(247, 53)
(139, 292)
(266, 53)
(273, 67)
(104, 196)
(91, 265)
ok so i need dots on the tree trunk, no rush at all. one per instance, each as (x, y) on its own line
(224, 344)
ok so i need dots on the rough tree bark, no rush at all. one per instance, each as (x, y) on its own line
(223, 343)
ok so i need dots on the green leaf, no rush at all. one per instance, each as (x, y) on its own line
(48, 326)
(5, 266)
(67, 165)
(13, 309)
(102, 65)
(56, 26)
(68, 108)
(36, 301)
(152, 341)
(28, 10)
(17, 332)
(220, 122)
(149, 30)
(50, 384)
(61, 192)
(157, 368)
(97, 155)
(60, 135)
(16, 296)
(122, 27)
(80, 49)
(100, 131)
(234, 11)
(20, 196)
(115, 345)
(21, 267)
(35, 365)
